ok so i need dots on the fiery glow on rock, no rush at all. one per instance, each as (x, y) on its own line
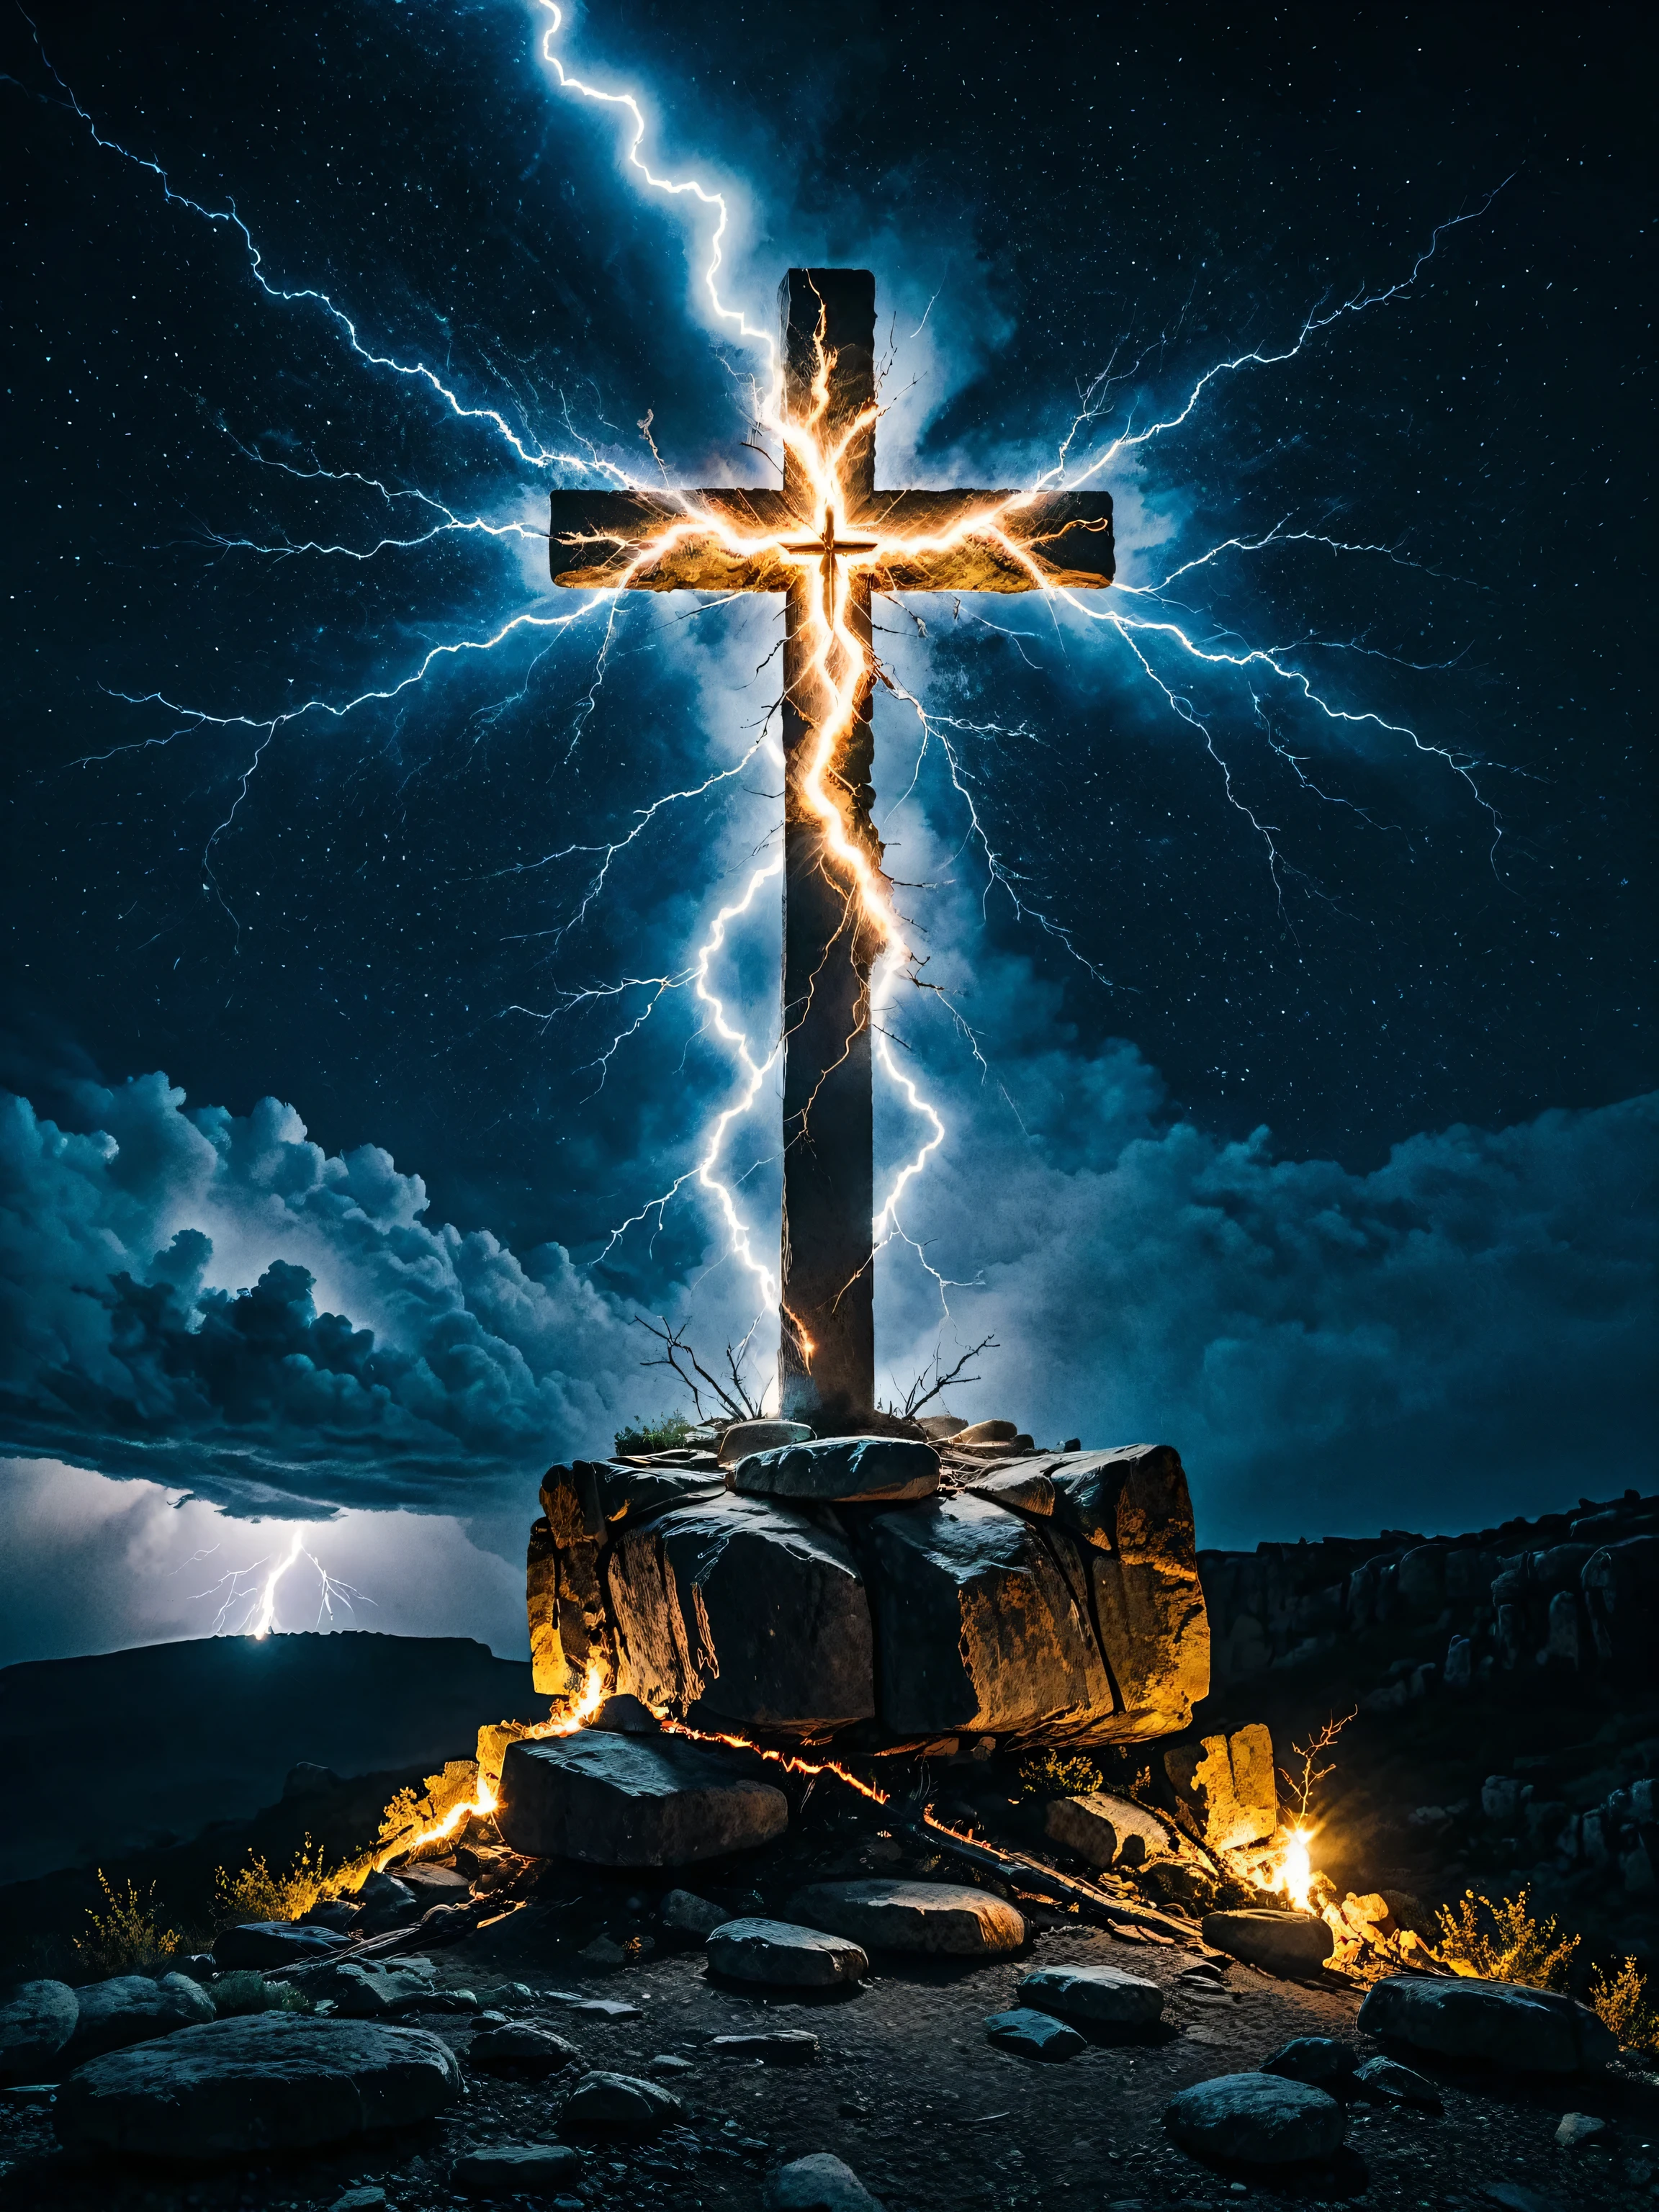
(1292, 1872)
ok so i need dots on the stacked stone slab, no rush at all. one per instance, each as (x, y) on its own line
(827, 1590)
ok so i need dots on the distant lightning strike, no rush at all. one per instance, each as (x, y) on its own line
(840, 666)
(252, 1590)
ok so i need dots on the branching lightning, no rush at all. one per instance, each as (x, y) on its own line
(247, 1595)
(1160, 647)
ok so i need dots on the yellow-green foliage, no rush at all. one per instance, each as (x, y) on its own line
(1052, 1774)
(128, 1938)
(665, 1433)
(1500, 1940)
(254, 1892)
(1624, 2005)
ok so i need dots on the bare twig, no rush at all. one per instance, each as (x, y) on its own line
(735, 1401)
(1302, 1787)
(917, 1397)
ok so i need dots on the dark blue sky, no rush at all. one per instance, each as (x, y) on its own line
(1257, 915)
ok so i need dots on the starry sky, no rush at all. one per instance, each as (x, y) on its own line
(1299, 1068)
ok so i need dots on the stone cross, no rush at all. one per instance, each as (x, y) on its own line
(602, 541)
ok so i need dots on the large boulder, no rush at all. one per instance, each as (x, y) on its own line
(133, 2008)
(741, 1615)
(1256, 2120)
(1281, 1943)
(1105, 1830)
(243, 2088)
(784, 1954)
(1229, 1784)
(630, 1800)
(1104, 1996)
(37, 2019)
(841, 1470)
(1530, 2031)
(947, 1917)
(980, 1628)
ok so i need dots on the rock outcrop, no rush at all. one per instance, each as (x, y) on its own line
(830, 1589)
(630, 1800)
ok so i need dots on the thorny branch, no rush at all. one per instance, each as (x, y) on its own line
(735, 1401)
(1303, 1787)
(917, 1397)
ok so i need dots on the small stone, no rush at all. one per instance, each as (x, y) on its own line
(986, 1432)
(942, 1917)
(36, 2020)
(1103, 1996)
(665, 2063)
(368, 2198)
(620, 2105)
(535, 2051)
(607, 2008)
(514, 2169)
(1034, 2034)
(841, 1470)
(262, 2086)
(132, 2008)
(1319, 2059)
(1386, 2081)
(690, 1914)
(262, 1943)
(783, 1955)
(370, 1991)
(22, 2094)
(1281, 1943)
(604, 1951)
(1532, 2031)
(1578, 2129)
(744, 1437)
(629, 1800)
(1256, 2120)
(1104, 1829)
(787, 2046)
(818, 2184)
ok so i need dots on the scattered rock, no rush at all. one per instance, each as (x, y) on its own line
(369, 2198)
(666, 2063)
(784, 1954)
(1578, 2129)
(1321, 2060)
(818, 2184)
(1026, 1489)
(631, 1801)
(939, 1428)
(619, 2105)
(1105, 1830)
(335, 1912)
(604, 1951)
(745, 1436)
(1103, 1996)
(1386, 2081)
(262, 1943)
(517, 2169)
(1034, 2034)
(1282, 1943)
(275, 2082)
(1533, 2031)
(986, 1432)
(386, 1903)
(37, 2019)
(1256, 2120)
(435, 1884)
(946, 1918)
(841, 1471)
(1511, 2196)
(370, 1991)
(626, 1716)
(535, 2051)
(690, 1914)
(1228, 1784)
(785, 2046)
(133, 2008)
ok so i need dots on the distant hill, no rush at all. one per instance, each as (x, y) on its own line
(131, 1749)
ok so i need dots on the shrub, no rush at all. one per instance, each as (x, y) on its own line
(128, 1938)
(1502, 1941)
(235, 1995)
(1052, 1774)
(254, 1892)
(1624, 2006)
(665, 1433)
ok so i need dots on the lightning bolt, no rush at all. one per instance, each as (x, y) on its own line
(254, 1589)
(1160, 647)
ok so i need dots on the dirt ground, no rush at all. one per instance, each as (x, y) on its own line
(908, 2092)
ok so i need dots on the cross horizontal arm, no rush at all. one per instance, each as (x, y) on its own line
(926, 541)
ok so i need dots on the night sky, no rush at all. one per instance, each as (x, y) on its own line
(1297, 1094)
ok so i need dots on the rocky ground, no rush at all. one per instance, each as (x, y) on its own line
(904, 2085)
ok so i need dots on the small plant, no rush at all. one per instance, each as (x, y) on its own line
(1622, 2004)
(254, 1892)
(1502, 1941)
(1052, 1774)
(236, 1995)
(1301, 1787)
(665, 1433)
(128, 1938)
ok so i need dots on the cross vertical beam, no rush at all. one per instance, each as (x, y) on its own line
(827, 1350)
